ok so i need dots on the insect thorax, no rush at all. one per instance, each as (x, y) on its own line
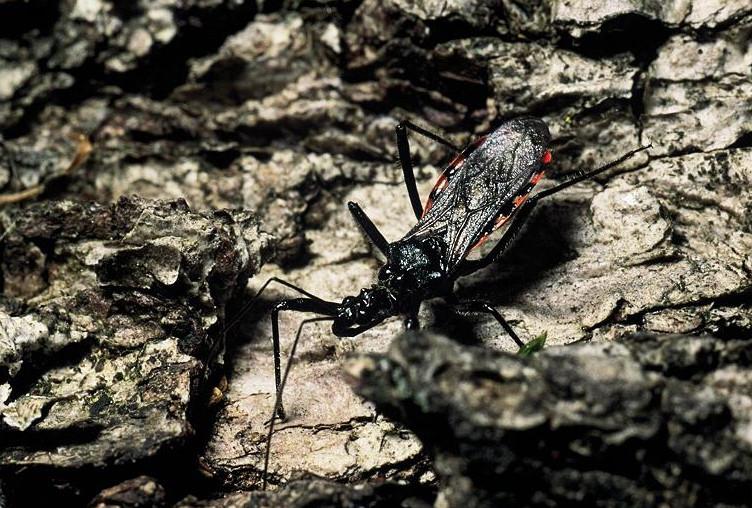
(415, 270)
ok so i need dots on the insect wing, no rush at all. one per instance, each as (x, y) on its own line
(448, 173)
(482, 193)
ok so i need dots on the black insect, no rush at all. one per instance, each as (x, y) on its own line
(485, 186)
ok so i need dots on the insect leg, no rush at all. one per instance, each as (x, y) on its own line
(407, 124)
(522, 215)
(479, 306)
(251, 304)
(368, 227)
(582, 174)
(403, 148)
(280, 387)
(318, 306)
(253, 301)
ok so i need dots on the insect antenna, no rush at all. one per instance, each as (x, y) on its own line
(248, 307)
(278, 396)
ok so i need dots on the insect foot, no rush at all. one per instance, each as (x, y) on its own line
(571, 421)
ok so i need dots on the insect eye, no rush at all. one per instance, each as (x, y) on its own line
(546, 158)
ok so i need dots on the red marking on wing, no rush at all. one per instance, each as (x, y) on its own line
(455, 162)
(443, 179)
(546, 159)
(537, 177)
(428, 206)
(475, 144)
(483, 239)
(439, 186)
(500, 221)
(519, 200)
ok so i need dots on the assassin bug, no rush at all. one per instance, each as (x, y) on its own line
(484, 187)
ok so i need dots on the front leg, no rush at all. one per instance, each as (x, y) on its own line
(278, 411)
(328, 309)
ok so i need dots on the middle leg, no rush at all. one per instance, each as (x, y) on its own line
(403, 148)
(327, 309)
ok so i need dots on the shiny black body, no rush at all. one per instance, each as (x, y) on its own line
(486, 186)
(415, 271)
(487, 180)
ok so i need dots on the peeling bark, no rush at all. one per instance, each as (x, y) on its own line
(643, 421)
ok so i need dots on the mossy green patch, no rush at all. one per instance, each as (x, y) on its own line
(533, 346)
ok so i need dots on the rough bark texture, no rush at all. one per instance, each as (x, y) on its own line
(112, 325)
(114, 310)
(647, 421)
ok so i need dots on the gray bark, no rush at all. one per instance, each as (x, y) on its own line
(114, 371)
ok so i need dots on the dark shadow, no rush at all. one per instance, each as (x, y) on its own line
(19, 18)
(44, 361)
(37, 440)
(460, 327)
(251, 323)
(743, 141)
(543, 244)
(618, 35)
